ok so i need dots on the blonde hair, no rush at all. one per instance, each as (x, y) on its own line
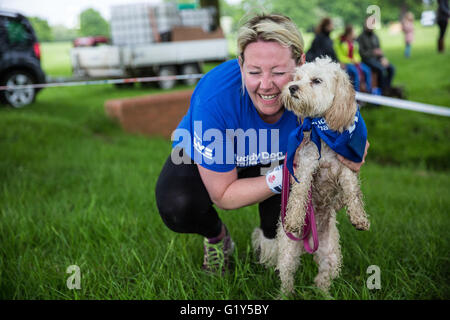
(409, 15)
(271, 27)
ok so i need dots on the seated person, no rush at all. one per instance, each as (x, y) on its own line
(372, 55)
(347, 53)
(322, 44)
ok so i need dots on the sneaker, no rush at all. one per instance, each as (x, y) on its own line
(217, 254)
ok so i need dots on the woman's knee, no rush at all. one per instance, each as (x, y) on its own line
(175, 211)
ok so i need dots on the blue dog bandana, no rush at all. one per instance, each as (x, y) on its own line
(350, 144)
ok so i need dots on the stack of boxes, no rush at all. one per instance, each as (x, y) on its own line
(143, 23)
(198, 17)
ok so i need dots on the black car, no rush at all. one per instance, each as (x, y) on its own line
(20, 56)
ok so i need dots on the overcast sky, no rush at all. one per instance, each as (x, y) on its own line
(66, 11)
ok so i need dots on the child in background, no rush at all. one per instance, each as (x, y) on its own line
(408, 30)
(347, 52)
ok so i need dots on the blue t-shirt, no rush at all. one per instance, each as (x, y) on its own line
(222, 129)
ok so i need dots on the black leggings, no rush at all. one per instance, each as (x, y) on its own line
(442, 27)
(185, 206)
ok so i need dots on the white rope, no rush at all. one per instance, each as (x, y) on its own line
(365, 97)
(98, 82)
(403, 104)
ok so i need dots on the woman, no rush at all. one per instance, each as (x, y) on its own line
(234, 128)
(443, 13)
(322, 44)
(408, 31)
(347, 52)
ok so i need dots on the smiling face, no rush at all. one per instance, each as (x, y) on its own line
(267, 68)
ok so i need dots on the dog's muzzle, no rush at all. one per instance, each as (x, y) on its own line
(293, 89)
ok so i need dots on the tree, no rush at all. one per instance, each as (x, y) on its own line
(62, 33)
(93, 24)
(42, 29)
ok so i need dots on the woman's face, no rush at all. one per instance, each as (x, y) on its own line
(267, 68)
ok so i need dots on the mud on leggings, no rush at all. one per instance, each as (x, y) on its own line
(185, 206)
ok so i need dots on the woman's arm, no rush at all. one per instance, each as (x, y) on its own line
(228, 192)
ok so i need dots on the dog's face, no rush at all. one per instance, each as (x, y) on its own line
(321, 89)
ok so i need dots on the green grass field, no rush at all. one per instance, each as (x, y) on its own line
(77, 190)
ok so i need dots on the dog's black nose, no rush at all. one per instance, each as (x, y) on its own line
(293, 88)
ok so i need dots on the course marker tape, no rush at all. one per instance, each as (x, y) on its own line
(370, 98)
(403, 104)
(98, 82)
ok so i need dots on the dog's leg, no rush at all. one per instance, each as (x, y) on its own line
(298, 199)
(328, 256)
(289, 253)
(353, 199)
(267, 248)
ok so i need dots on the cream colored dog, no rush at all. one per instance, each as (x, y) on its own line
(319, 89)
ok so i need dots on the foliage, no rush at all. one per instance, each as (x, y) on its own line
(42, 29)
(93, 24)
(308, 13)
(62, 33)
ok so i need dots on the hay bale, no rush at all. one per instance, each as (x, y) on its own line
(153, 115)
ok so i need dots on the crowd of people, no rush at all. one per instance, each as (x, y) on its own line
(359, 56)
(362, 56)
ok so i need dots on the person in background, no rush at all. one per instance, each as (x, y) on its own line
(408, 30)
(347, 53)
(442, 20)
(322, 44)
(373, 56)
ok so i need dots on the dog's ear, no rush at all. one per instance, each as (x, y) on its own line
(342, 111)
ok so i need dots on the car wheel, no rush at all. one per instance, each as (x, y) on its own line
(191, 68)
(20, 97)
(167, 71)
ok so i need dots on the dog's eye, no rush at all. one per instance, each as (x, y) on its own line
(316, 81)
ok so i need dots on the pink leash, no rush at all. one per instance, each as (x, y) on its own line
(310, 221)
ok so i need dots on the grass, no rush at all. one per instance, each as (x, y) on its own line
(76, 190)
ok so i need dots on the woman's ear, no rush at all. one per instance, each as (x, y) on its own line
(303, 59)
(342, 111)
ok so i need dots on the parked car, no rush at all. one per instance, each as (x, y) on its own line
(20, 56)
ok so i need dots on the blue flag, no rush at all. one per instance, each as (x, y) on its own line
(350, 144)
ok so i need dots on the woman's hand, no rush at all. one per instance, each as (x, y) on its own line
(354, 166)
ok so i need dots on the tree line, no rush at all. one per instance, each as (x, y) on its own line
(91, 24)
(306, 14)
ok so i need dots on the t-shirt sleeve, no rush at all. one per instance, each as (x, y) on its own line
(212, 148)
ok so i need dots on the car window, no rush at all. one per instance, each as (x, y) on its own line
(14, 33)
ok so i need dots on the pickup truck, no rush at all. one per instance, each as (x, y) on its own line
(152, 59)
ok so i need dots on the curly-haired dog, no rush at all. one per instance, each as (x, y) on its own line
(320, 90)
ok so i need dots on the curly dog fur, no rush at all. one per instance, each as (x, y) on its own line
(323, 90)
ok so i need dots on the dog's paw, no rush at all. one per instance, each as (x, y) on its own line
(323, 282)
(362, 225)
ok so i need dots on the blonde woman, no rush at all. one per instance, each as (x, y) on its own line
(234, 129)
